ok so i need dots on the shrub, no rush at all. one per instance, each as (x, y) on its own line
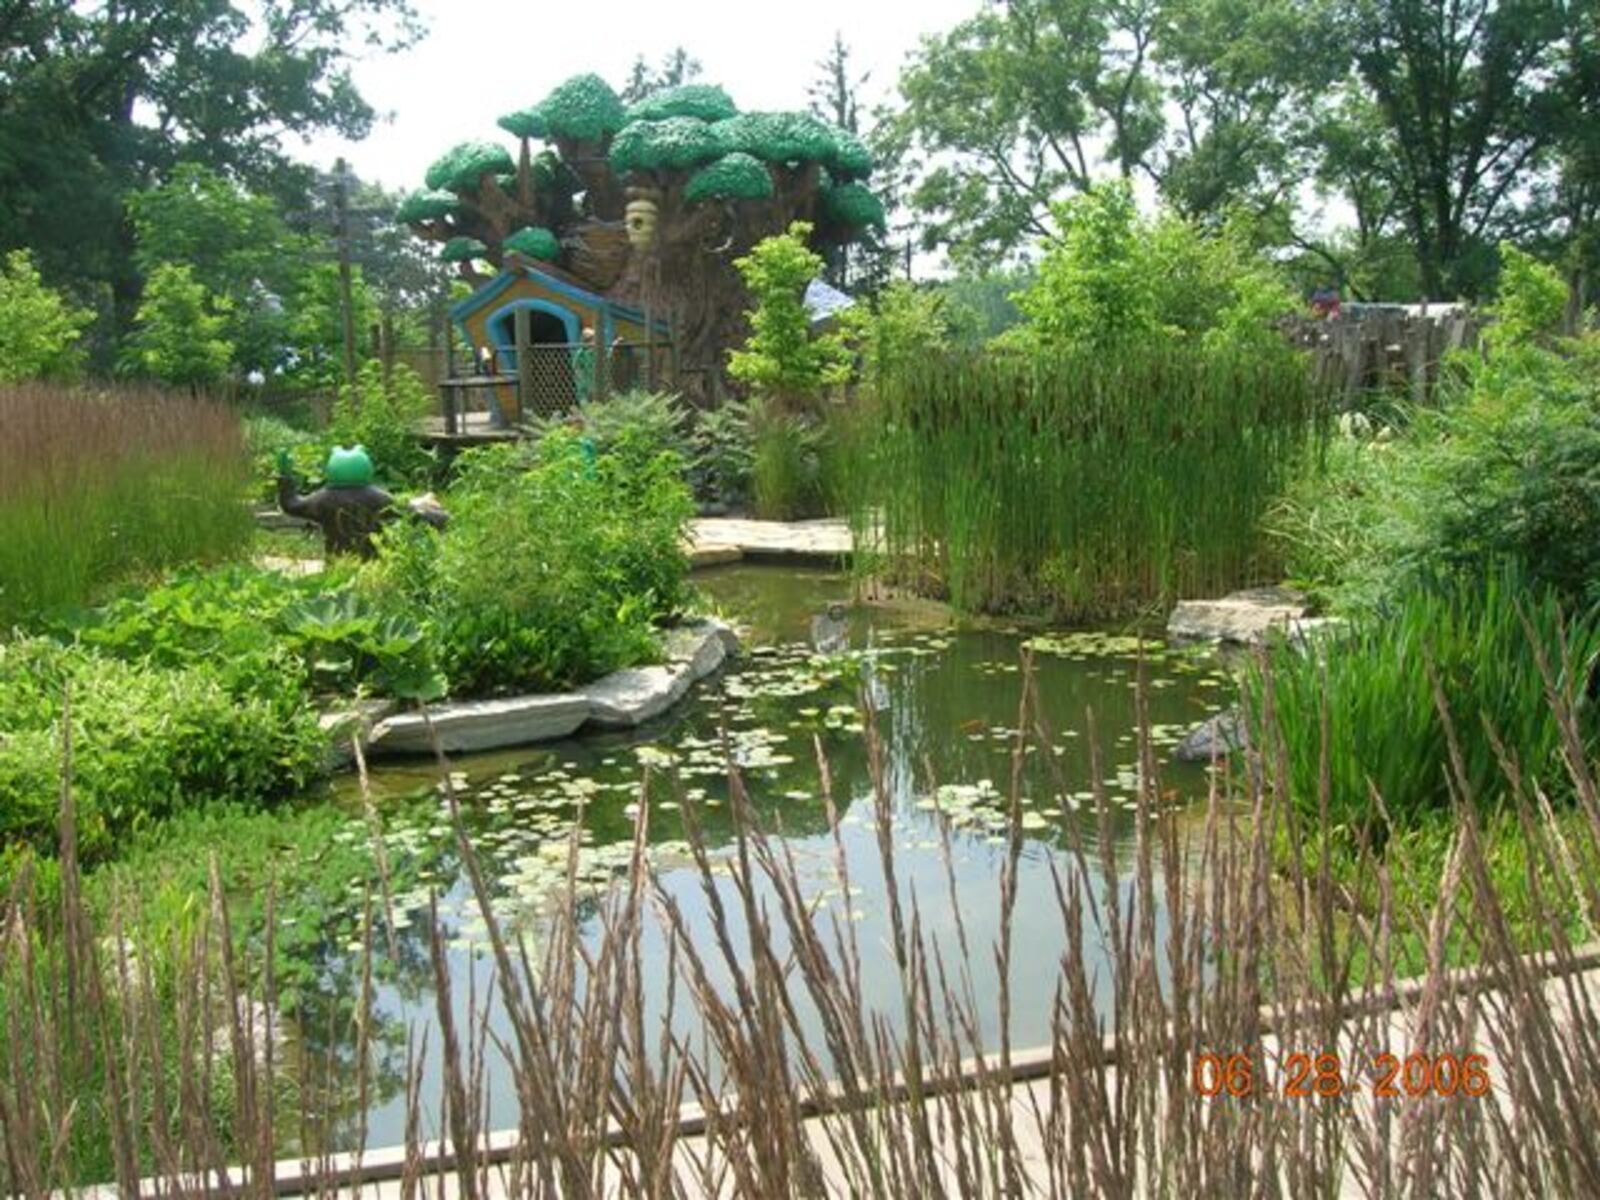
(725, 451)
(554, 565)
(96, 486)
(146, 742)
(648, 422)
(781, 359)
(179, 337)
(905, 324)
(39, 330)
(787, 468)
(255, 625)
(1113, 278)
(1509, 468)
(1375, 691)
(383, 416)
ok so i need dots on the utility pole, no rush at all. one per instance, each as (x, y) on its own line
(346, 301)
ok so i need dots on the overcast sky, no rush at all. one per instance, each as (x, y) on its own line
(484, 58)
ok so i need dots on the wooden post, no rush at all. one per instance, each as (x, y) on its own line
(524, 344)
(649, 349)
(346, 302)
(672, 348)
(600, 385)
(386, 345)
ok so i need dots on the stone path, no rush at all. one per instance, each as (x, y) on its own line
(714, 540)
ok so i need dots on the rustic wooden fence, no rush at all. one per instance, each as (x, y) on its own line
(1395, 352)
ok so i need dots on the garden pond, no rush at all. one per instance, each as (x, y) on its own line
(946, 701)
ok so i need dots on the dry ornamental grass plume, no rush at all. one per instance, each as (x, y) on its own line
(1220, 968)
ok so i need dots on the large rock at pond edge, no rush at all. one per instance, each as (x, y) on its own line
(1216, 738)
(468, 725)
(1242, 617)
(635, 695)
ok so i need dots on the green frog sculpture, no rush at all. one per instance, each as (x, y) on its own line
(349, 507)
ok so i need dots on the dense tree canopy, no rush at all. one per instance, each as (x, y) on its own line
(1448, 123)
(100, 101)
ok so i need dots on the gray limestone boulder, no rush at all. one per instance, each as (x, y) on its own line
(468, 725)
(1243, 618)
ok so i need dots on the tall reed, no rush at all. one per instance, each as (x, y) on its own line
(100, 483)
(1085, 485)
(1208, 951)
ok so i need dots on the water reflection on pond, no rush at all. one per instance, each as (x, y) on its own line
(947, 701)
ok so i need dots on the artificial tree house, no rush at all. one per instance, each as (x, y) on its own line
(632, 213)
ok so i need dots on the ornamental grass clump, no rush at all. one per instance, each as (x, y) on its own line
(97, 485)
(1448, 673)
(1084, 484)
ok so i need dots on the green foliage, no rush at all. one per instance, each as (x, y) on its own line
(1085, 484)
(1113, 277)
(632, 422)
(584, 108)
(786, 473)
(981, 307)
(99, 486)
(1505, 470)
(854, 206)
(180, 336)
(671, 143)
(427, 206)
(146, 742)
(1384, 731)
(189, 85)
(536, 242)
(462, 249)
(383, 416)
(904, 324)
(781, 359)
(734, 176)
(238, 247)
(39, 330)
(315, 331)
(725, 451)
(778, 137)
(554, 565)
(462, 166)
(252, 626)
(703, 101)
(1531, 303)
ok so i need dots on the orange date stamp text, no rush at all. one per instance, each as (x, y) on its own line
(1328, 1076)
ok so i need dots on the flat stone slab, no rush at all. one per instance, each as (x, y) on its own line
(295, 568)
(467, 725)
(1243, 617)
(713, 554)
(630, 697)
(825, 539)
(620, 700)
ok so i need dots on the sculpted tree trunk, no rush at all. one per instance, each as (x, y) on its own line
(649, 205)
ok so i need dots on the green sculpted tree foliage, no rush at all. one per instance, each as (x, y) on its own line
(782, 360)
(698, 183)
(39, 330)
(179, 334)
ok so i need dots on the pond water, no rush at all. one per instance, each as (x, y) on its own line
(946, 701)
